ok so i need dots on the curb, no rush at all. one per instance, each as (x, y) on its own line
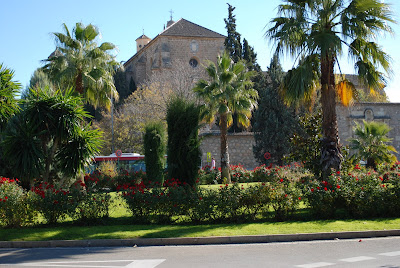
(198, 240)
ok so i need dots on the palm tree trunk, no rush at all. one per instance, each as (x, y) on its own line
(331, 156)
(224, 148)
(49, 159)
(79, 83)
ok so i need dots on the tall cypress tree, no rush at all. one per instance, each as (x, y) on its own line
(184, 155)
(232, 41)
(274, 123)
(250, 56)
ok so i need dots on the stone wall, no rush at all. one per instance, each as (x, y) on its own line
(240, 148)
(240, 145)
(388, 113)
(164, 51)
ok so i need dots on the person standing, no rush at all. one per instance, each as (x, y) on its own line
(213, 163)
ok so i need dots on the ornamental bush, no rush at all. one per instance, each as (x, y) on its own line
(92, 207)
(16, 205)
(53, 203)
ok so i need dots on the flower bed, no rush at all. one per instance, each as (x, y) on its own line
(278, 194)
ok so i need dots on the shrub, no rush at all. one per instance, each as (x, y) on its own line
(285, 198)
(206, 175)
(92, 207)
(154, 150)
(184, 156)
(53, 203)
(240, 174)
(16, 207)
(323, 197)
(255, 199)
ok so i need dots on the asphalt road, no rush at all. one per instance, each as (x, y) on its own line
(372, 252)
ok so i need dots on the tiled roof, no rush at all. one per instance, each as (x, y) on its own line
(186, 28)
(143, 36)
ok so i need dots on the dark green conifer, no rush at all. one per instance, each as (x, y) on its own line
(274, 123)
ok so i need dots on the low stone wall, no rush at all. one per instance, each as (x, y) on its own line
(240, 148)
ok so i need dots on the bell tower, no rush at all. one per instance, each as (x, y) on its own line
(141, 41)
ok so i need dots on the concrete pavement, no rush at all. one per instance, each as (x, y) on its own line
(198, 240)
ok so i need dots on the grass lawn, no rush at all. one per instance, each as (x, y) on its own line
(67, 231)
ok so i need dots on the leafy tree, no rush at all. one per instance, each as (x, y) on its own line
(154, 151)
(250, 56)
(8, 93)
(39, 79)
(232, 41)
(274, 122)
(123, 86)
(79, 63)
(373, 96)
(314, 32)
(371, 144)
(132, 85)
(49, 138)
(228, 91)
(184, 155)
(305, 144)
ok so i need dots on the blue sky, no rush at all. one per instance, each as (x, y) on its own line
(26, 27)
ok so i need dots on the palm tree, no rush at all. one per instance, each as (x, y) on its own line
(50, 136)
(316, 32)
(8, 92)
(228, 91)
(371, 144)
(79, 63)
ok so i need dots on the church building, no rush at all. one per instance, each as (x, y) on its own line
(181, 41)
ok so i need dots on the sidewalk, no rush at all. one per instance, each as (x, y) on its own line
(198, 240)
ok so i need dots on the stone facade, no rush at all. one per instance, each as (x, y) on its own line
(388, 113)
(182, 41)
(240, 148)
(240, 145)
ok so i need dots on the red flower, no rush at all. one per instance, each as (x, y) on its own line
(326, 189)
(312, 190)
(299, 198)
(338, 186)
(281, 180)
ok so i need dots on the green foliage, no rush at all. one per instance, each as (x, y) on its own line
(54, 203)
(123, 86)
(50, 137)
(371, 144)
(92, 207)
(184, 155)
(79, 63)
(360, 194)
(154, 150)
(39, 79)
(229, 91)
(16, 206)
(274, 122)
(8, 93)
(232, 41)
(306, 143)
(316, 33)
